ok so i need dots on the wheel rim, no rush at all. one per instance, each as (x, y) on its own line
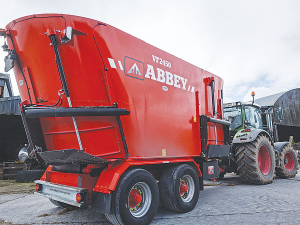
(186, 188)
(264, 160)
(139, 199)
(289, 161)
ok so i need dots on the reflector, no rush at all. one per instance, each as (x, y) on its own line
(38, 187)
(78, 197)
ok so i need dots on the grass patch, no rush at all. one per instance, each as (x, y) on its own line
(3, 222)
(45, 214)
(212, 184)
(12, 187)
(66, 210)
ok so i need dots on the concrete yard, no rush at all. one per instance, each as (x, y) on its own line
(228, 201)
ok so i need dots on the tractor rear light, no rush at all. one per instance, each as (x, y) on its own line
(246, 130)
(78, 197)
(38, 187)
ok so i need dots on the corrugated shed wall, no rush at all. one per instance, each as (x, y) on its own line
(290, 103)
(10, 105)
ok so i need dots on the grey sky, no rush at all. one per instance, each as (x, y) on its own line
(252, 44)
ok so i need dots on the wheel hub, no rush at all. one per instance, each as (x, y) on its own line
(183, 188)
(264, 160)
(186, 188)
(134, 198)
(289, 161)
(139, 199)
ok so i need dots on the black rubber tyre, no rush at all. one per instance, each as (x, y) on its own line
(171, 185)
(256, 161)
(221, 175)
(60, 204)
(123, 210)
(288, 163)
(25, 176)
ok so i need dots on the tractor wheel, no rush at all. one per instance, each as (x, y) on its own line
(179, 188)
(288, 163)
(256, 161)
(60, 204)
(135, 200)
(221, 175)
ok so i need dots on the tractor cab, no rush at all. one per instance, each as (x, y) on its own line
(243, 117)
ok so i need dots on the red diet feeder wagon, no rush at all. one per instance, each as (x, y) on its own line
(120, 122)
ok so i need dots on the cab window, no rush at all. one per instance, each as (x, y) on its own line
(253, 116)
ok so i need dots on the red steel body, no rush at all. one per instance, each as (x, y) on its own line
(164, 94)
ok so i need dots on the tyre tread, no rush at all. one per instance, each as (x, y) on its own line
(168, 188)
(115, 215)
(247, 163)
(281, 171)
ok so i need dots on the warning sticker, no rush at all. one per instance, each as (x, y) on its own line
(211, 170)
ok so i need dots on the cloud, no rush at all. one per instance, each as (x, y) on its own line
(247, 43)
(259, 93)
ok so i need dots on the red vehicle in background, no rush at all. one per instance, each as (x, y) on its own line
(121, 123)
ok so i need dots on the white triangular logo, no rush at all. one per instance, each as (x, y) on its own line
(135, 69)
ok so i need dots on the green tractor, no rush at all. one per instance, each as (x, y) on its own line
(255, 155)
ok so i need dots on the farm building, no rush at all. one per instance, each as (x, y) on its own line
(289, 124)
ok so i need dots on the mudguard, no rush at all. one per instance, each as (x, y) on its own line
(246, 137)
(278, 146)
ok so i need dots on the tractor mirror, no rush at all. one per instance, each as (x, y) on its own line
(9, 61)
(280, 113)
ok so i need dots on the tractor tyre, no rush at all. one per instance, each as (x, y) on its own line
(25, 176)
(256, 161)
(179, 188)
(60, 204)
(221, 175)
(288, 163)
(135, 200)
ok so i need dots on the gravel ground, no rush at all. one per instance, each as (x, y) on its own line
(228, 201)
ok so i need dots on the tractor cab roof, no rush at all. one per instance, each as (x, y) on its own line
(235, 104)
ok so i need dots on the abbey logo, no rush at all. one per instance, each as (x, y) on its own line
(134, 68)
